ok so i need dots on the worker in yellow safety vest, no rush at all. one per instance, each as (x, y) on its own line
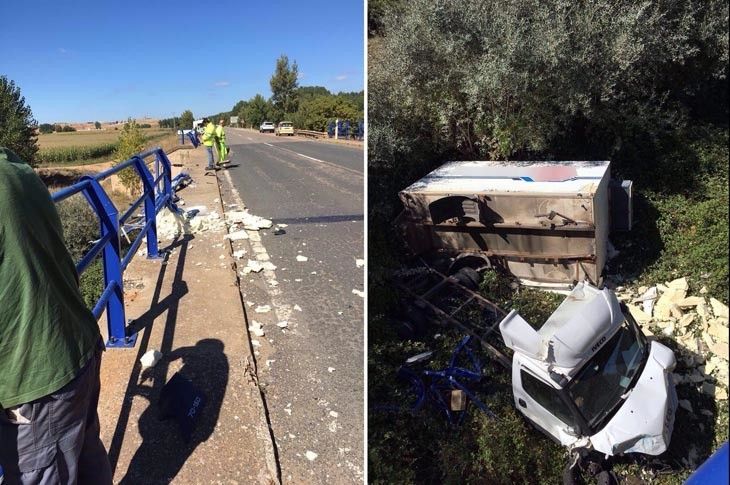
(208, 141)
(220, 136)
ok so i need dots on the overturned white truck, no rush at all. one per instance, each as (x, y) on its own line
(547, 223)
(589, 378)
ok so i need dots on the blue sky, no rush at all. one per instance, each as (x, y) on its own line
(108, 60)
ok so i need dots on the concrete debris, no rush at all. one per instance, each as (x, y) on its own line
(718, 309)
(639, 315)
(262, 309)
(255, 266)
(239, 253)
(334, 414)
(311, 456)
(150, 358)
(191, 221)
(700, 328)
(718, 330)
(248, 220)
(330, 369)
(255, 343)
(648, 298)
(673, 295)
(237, 235)
(301, 258)
(256, 328)
(359, 293)
(359, 262)
(690, 301)
(297, 308)
(283, 324)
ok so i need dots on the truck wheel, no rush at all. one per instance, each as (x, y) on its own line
(468, 277)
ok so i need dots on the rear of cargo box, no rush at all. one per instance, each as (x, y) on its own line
(546, 223)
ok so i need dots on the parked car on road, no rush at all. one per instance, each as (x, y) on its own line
(267, 126)
(285, 128)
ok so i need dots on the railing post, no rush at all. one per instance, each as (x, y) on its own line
(167, 170)
(150, 210)
(109, 224)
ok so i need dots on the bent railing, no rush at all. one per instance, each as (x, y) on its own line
(157, 193)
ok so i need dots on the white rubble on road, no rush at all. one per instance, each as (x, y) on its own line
(247, 220)
(262, 309)
(192, 220)
(359, 263)
(283, 324)
(359, 293)
(256, 328)
(255, 266)
(240, 253)
(311, 456)
(297, 308)
(150, 358)
(301, 258)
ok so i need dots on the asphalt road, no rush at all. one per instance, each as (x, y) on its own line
(311, 371)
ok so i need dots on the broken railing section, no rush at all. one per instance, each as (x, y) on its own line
(157, 193)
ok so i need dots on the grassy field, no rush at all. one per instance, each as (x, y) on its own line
(91, 137)
(88, 147)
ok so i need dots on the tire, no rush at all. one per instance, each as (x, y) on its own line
(468, 277)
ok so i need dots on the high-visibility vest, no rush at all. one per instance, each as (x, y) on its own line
(220, 133)
(209, 134)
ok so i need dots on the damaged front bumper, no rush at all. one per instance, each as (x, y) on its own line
(644, 423)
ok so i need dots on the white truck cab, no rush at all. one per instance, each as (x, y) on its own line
(589, 378)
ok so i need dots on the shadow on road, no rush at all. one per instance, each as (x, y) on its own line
(163, 451)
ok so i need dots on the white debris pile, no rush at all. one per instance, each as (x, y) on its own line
(256, 328)
(699, 327)
(247, 220)
(191, 221)
(255, 266)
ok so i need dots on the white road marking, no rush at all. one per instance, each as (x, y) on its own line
(317, 160)
(282, 310)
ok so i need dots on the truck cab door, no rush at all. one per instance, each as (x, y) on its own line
(541, 403)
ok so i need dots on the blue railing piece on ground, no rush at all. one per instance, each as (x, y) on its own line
(157, 192)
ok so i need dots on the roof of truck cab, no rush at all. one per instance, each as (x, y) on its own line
(510, 176)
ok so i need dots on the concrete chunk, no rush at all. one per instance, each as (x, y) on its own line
(718, 308)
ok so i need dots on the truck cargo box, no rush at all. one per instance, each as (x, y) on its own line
(545, 222)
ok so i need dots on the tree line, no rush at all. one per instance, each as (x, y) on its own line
(308, 107)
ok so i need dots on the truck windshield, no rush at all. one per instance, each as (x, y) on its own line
(601, 385)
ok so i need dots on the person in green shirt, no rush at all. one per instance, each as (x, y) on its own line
(50, 345)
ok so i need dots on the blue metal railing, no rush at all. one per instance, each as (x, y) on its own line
(157, 193)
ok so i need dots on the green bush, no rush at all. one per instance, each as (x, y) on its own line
(131, 141)
(80, 225)
(80, 229)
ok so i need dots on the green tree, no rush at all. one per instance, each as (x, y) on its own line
(131, 141)
(186, 120)
(17, 126)
(256, 111)
(97, 125)
(284, 86)
(45, 128)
